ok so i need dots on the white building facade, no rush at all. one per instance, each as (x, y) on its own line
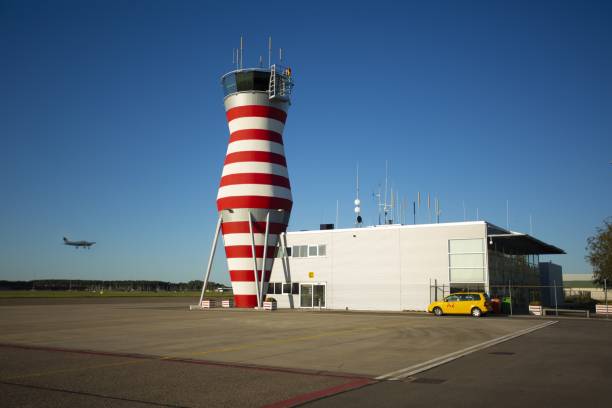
(390, 267)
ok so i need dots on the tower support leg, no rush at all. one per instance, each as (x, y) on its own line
(210, 260)
(254, 257)
(283, 242)
(263, 266)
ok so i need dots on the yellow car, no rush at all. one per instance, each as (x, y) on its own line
(475, 303)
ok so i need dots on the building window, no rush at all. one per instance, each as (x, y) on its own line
(279, 288)
(464, 246)
(466, 260)
(300, 251)
(308, 251)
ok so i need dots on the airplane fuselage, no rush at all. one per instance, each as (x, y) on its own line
(77, 244)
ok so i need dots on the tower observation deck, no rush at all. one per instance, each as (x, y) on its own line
(275, 81)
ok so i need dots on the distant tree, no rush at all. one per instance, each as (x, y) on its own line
(599, 253)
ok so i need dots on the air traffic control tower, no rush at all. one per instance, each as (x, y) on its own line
(254, 199)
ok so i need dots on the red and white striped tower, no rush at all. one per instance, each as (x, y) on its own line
(254, 199)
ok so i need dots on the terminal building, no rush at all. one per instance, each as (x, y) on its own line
(405, 267)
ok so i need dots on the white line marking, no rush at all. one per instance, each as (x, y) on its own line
(417, 368)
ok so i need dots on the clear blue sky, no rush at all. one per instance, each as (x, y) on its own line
(112, 125)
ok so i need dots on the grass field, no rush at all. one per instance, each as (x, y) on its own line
(580, 284)
(81, 294)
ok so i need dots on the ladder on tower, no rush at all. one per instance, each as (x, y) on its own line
(272, 87)
(280, 83)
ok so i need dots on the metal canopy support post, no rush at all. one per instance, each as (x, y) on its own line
(510, 292)
(263, 266)
(254, 257)
(210, 260)
(556, 307)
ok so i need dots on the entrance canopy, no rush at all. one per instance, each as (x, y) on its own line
(517, 243)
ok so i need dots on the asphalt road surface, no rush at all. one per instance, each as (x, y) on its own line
(154, 352)
(568, 364)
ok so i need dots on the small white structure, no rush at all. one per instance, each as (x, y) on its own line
(400, 267)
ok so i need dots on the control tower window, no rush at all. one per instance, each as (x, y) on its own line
(252, 81)
(241, 81)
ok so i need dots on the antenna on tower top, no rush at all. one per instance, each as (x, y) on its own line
(280, 54)
(358, 220)
(269, 51)
(241, 48)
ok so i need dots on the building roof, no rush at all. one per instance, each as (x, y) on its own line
(510, 242)
(384, 227)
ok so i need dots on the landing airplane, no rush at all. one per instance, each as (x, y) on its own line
(77, 244)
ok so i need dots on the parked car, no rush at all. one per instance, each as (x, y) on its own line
(475, 303)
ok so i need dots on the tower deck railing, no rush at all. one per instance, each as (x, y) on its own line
(277, 81)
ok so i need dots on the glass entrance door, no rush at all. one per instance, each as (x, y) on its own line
(306, 295)
(318, 296)
(312, 295)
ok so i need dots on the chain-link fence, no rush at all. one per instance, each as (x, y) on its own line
(536, 299)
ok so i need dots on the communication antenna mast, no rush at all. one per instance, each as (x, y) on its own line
(392, 205)
(398, 210)
(358, 220)
(337, 212)
(269, 51)
(386, 185)
(379, 204)
(280, 55)
(387, 207)
(241, 48)
(507, 215)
